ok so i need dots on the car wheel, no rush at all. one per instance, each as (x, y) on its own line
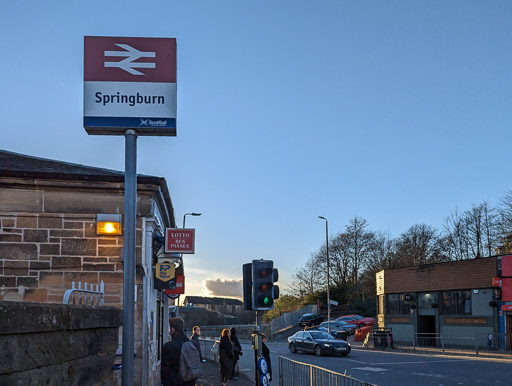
(318, 351)
(292, 348)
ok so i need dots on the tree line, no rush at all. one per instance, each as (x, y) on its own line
(358, 253)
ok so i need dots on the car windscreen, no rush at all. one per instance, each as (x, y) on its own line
(357, 317)
(319, 335)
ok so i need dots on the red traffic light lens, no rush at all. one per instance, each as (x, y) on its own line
(266, 273)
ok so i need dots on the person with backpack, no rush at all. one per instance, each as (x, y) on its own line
(195, 339)
(171, 353)
(225, 356)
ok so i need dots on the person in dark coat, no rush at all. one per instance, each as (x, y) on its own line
(171, 352)
(225, 356)
(266, 355)
(195, 339)
(237, 351)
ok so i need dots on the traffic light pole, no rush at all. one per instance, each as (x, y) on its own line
(258, 352)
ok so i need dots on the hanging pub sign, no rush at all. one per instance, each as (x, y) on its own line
(179, 287)
(164, 275)
(179, 240)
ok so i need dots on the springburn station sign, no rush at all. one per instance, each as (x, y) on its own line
(130, 83)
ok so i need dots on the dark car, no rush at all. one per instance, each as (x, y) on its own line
(339, 325)
(310, 320)
(317, 342)
(319, 328)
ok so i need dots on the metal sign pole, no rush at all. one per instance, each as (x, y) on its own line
(130, 211)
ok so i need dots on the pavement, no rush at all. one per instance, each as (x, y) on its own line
(212, 376)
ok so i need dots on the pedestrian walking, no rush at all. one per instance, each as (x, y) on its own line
(196, 331)
(266, 355)
(237, 351)
(225, 356)
(171, 352)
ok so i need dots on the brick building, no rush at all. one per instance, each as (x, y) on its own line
(455, 298)
(48, 239)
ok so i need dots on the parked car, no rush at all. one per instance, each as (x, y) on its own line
(318, 328)
(358, 320)
(338, 325)
(310, 320)
(317, 342)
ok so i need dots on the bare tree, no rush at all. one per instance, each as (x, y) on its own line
(419, 245)
(505, 215)
(308, 279)
(456, 236)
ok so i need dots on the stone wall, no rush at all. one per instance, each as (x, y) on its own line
(56, 344)
(41, 254)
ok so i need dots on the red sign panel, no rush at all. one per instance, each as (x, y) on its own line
(496, 281)
(506, 289)
(124, 59)
(179, 240)
(506, 265)
(506, 307)
(180, 286)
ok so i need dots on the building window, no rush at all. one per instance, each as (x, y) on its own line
(456, 302)
(396, 306)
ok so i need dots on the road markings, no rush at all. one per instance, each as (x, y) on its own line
(375, 369)
(417, 362)
(429, 375)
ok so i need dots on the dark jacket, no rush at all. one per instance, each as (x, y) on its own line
(237, 347)
(266, 355)
(225, 356)
(195, 339)
(170, 364)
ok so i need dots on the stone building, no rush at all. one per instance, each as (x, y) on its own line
(48, 239)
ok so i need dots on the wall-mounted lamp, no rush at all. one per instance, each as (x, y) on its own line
(108, 224)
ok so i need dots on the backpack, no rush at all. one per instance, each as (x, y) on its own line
(191, 367)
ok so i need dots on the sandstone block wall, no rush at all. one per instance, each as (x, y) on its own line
(41, 254)
(56, 344)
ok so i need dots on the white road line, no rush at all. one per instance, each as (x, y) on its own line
(406, 363)
(353, 360)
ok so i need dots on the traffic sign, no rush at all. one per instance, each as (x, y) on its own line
(179, 240)
(130, 83)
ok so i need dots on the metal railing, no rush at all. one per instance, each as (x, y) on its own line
(84, 296)
(295, 373)
(289, 319)
(476, 343)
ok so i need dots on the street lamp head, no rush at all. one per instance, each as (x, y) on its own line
(195, 214)
(322, 217)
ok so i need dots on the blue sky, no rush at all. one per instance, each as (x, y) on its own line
(395, 111)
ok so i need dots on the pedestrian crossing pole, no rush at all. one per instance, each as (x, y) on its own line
(257, 344)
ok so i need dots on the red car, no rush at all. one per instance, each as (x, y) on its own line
(357, 320)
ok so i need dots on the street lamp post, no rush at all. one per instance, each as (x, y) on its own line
(189, 214)
(327, 262)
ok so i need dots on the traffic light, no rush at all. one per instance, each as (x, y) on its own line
(263, 289)
(247, 272)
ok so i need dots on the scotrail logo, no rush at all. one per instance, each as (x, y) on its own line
(131, 54)
(153, 123)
